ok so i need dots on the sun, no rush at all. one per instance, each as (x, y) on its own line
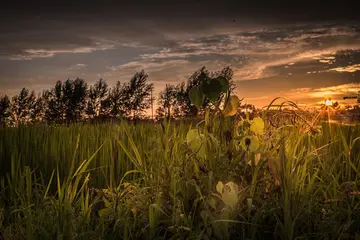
(328, 102)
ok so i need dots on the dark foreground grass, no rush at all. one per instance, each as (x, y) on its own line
(144, 182)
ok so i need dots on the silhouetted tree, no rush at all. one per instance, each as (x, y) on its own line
(22, 107)
(114, 104)
(228, 74)
(97, 94)
(71, 101)
(65, 102)
(138, 92)
(4, 110)
(55, 104)
(182, 106)
(166, 103)
(74, 97)
(38, 115)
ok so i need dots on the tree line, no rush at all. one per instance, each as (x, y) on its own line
(75, 101)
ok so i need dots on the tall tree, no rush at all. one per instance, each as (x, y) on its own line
(66, 101)
(228, 74)
(74, 96)
(114, 104)
(166, 103)
(96, 97)
(22, 106)
(4, 110)
(138, 94)
(55, 106)
(38, 114)
(182, 107)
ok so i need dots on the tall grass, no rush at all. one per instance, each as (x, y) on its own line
(143, 182)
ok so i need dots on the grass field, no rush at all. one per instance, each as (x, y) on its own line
(146, 181)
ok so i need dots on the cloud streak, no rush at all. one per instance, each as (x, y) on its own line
(350, 68)
(78, 66)
(30, 54)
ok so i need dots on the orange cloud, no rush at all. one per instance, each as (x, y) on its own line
(350, 68)
(335, 92)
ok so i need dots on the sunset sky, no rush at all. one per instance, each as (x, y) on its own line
(304, 51)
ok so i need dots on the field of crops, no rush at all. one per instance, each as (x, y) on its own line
(225, 179)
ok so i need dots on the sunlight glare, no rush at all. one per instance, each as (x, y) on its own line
(328, 102)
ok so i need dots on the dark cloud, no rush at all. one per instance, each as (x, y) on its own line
(255, 10)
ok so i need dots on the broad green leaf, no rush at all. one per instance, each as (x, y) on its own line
(212, 89)
(230, 197)
(224, 83)
(192, 135)
(193, 140)
(196, 142)
(212, 202)
(257, 125)
(196, 96)
(231, 106)
(219, 187)
(250, 143)
(229, 193)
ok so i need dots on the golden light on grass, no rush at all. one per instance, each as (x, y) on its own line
(246, 110)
